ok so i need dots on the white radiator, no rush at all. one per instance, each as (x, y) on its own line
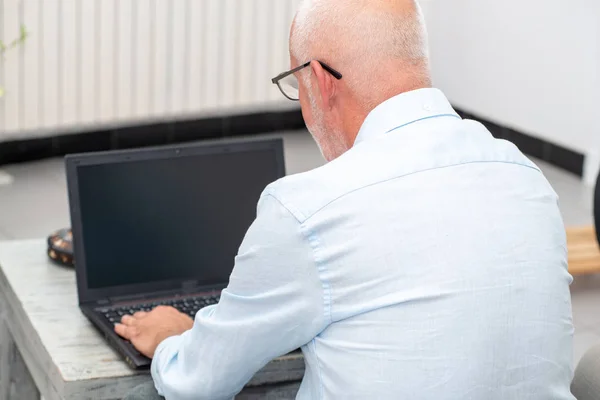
(112, 62)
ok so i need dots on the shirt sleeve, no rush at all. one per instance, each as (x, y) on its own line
(273, 305)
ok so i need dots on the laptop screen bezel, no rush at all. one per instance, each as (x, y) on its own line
(74, 162)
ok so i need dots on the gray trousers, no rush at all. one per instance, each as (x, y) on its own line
(586, 385)
(144, 392)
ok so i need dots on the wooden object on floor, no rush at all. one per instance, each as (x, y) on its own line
(584, 252)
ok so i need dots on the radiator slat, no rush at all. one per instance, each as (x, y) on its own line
(125, 51)
(196, 59)
(246, 65)
(12, 67)
(229, 63)
(30, 105)
(142, 63)
(49, 64)
(68, 64)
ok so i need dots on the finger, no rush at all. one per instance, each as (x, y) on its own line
(124, 331)
(164, 308)
(140, 314)
(128, 320)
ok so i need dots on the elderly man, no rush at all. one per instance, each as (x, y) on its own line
(426, 260)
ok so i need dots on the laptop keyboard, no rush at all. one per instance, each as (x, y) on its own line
(187, 305)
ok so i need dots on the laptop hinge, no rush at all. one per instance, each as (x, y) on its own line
(143, 296)
(119, 299)
(190, 287)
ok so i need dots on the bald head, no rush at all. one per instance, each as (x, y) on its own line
(380, 46)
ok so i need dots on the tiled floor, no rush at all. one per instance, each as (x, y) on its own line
(35, 203)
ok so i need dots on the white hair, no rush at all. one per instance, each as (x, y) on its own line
(361, 37)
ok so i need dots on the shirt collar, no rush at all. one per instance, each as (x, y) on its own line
(403, 110)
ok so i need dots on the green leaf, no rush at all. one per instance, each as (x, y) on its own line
(21, 39)
(24, 33)
(1, 92)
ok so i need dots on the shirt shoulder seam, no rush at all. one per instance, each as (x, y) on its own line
(314, 243)
(294, 212)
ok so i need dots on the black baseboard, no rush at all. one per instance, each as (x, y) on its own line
(118, 138)
(239, 125)
(554, 154)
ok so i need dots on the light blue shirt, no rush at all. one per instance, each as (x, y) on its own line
(428, 262)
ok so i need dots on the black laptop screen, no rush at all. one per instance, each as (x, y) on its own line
(172, 219)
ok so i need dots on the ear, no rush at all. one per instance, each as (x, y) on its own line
(327, 86)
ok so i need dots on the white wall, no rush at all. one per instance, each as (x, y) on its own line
(105, 62)
(530, 64)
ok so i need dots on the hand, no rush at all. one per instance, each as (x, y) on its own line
(146, 330)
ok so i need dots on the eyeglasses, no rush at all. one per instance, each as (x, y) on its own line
(288, 83)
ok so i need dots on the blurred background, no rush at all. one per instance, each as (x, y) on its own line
(90, 65)
(91, 75)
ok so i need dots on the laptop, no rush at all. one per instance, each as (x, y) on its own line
(162, 226)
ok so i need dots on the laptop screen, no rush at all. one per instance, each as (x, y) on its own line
(170, 219)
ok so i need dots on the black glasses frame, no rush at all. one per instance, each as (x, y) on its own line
(326, 67)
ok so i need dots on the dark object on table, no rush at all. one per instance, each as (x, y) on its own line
(60, 247)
